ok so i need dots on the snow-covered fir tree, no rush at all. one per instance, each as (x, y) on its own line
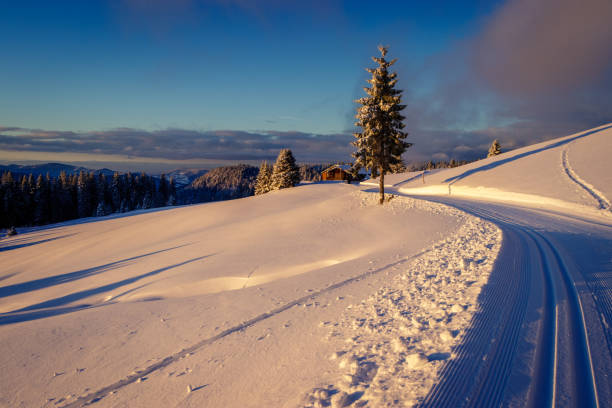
(380, 143)
(83, 196)
(116, 187)
(41, 199)
(171, 192)
(285, 172)
(264, 179)
(161, 193)
(495, 149)
(100, 210)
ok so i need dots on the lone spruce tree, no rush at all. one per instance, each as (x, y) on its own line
(380, 143)
(264, 179)
(285, 173)
(495, 149)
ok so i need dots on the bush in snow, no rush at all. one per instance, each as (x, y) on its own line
(495, 149)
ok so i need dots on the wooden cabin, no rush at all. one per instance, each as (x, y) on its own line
(337, 172)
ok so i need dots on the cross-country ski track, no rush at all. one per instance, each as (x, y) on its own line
(495, 365)
(542, 337)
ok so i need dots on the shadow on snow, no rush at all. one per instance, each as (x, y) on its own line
(42, 283)
(59, 307)
(498, 163)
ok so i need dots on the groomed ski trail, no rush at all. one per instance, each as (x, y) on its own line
(562, 365)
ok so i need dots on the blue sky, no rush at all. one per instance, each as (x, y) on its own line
(118, 80)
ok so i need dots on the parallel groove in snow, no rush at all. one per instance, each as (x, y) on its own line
(491, 389)
(599, 283)
(586, 388)
(545, 373)
(458, 386)
(543, 388)
(580, 385)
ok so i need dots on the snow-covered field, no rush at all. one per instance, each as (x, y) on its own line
(312, 296)
(570, 174)
(88, 305)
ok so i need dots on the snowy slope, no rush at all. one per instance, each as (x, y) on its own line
(542, 336)
(95, 304)
(312, 296)
(570, 174)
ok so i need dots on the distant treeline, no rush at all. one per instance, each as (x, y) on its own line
(28, 200)
(442, 164)
(231, 182)
(221, 183)
(44, 200)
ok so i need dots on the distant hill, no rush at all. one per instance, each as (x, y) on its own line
(54, 169)
(221, 183)
(184, 177)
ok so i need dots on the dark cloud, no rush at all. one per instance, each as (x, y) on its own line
(534, 70)
(545, 46)
(180, 144)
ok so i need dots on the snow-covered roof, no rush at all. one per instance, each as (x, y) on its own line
(345, 167)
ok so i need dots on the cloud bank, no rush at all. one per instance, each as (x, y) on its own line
(180, 144)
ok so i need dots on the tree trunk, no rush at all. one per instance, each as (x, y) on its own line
(381, 187)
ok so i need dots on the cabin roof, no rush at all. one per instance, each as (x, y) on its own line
(345, 167)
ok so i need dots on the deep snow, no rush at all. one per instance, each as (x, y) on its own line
(87, 305)
(303, 297)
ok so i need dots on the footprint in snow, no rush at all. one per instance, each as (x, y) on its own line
(438, 356)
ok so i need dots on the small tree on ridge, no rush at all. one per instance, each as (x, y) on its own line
(495, 149)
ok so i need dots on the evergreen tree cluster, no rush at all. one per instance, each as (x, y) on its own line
(284, 174)
(29, 200)
(55, 199)
(312, 172)
(441, 164)
(221, 183)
